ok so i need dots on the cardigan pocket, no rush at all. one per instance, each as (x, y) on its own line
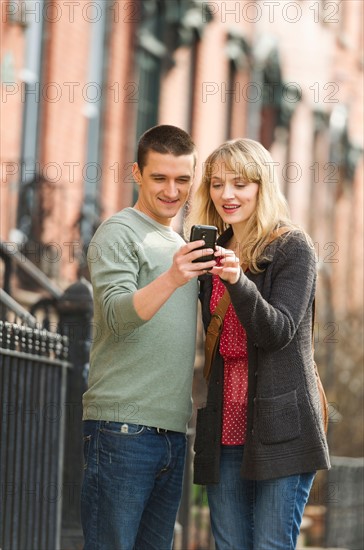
(278, 418)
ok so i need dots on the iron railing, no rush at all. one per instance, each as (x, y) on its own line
(33, 371)
(37, 349)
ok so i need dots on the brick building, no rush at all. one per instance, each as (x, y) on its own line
(80, 82)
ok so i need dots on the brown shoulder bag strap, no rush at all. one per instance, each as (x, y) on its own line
(322, 395)
(214, 331)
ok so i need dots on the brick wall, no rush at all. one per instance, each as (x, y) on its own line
(63, 130)
(320, 49)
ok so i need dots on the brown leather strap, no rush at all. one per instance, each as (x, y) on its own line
(323, 399)
(214, 332)
(215, 327)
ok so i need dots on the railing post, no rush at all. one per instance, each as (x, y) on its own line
(75, 309)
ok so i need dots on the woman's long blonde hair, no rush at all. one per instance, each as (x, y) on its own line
(251, 161)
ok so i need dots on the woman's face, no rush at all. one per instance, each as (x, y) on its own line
(235, 199)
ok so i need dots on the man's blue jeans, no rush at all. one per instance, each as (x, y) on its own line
(132, 486)
(255, 515)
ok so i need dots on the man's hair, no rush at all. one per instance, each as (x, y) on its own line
(164, 139)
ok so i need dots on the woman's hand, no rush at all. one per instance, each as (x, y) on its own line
(228, 267)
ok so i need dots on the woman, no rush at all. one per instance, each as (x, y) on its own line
(260, 438)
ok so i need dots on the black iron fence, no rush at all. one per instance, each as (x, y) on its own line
(33, 372)
(43, 374)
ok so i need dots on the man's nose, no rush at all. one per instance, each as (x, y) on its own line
(171, 189)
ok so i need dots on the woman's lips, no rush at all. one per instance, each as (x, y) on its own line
(231, 208)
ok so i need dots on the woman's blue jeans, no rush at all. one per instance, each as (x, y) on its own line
(255, 515)
(132, 486)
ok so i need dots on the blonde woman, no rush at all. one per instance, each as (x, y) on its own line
(260, 438)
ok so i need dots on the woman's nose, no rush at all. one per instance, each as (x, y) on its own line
(227, 192)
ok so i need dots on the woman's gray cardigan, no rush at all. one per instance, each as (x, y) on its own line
(285, 434)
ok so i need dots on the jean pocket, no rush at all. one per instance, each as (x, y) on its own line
(278, 418)
(86, 450)
(123, 429)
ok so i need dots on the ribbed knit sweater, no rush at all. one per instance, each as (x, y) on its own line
(140, 371)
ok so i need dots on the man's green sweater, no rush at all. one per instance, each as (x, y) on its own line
(140, 371)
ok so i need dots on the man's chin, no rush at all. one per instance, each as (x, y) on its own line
(171, 210)
(174, 204)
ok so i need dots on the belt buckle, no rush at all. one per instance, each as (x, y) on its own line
(161, 430)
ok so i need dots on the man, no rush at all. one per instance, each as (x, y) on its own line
(138, 403)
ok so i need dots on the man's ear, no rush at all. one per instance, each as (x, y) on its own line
(136, 173)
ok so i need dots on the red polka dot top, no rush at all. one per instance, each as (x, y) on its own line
(233, 349)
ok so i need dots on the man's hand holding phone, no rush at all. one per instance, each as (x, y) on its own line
(194, 258)
(149, 299)
(189, 262)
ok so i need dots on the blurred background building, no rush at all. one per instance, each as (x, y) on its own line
(82, 80)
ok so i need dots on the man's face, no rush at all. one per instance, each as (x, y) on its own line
(164, 185)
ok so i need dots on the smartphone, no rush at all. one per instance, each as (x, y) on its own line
(208, 233)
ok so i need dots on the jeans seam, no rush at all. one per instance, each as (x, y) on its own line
(294, 501)
(169, 451)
